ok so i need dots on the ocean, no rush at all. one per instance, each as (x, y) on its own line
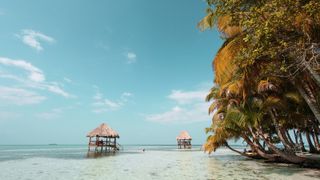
(33, 162)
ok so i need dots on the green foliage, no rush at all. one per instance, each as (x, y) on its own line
(253, 68)
(269, 27)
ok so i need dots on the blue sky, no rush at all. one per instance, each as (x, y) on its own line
(141, 66)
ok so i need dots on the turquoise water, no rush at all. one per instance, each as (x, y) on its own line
(157, 162)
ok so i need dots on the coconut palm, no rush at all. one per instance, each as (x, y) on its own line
(267, 79)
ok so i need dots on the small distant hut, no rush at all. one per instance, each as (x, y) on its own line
(184, 140)
(103, 138)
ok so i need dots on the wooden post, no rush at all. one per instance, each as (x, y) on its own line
(97, 143)
(103, 146)
(107, 144)
(89, 144)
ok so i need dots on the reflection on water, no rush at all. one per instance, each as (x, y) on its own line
(133, 163)
(92, 154)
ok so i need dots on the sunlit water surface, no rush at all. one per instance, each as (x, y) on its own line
(157, 162)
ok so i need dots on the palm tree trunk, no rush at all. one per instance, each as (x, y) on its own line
(314, 74)
(289, 156)
(285, 137)
(280, 133)
(295, 136)
(262, 153)
(312, 105)
(316, 134)
(239, 152)
(264, 145)
(255, 138)
(301, 143)
(316, 141)
(312, 149)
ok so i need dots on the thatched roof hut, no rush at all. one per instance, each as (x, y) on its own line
(103, 137)
(184, 140)
(184, 135)
(103, 131)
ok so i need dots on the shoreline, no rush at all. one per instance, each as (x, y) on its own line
(151, 164)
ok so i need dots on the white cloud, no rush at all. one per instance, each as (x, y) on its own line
(19, 96)
(131, 57)
(33, 38)
(67, 80)
(124, 96)
(173, 115)
(53, 113)
(98, 96)
(35, 74)
(31, 76)
(57, 90)
(112, 104)
(190, 107)
(187, 97)
(102, 104)
(181, 115)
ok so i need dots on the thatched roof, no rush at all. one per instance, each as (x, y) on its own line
(184, 135)
(103, 131)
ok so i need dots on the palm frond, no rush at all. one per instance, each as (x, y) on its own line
(224, 62)
(293, 97)
(228, 31)
(208, 21)
(212, 94)
(273, 102)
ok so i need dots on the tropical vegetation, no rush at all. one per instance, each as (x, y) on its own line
(266, 89)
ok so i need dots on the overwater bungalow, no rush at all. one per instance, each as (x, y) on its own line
(103, 139)
(184, 140)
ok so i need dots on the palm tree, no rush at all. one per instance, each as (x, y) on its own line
(266, 83)
(290, 40)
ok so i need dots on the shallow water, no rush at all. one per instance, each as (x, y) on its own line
(158, 162)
